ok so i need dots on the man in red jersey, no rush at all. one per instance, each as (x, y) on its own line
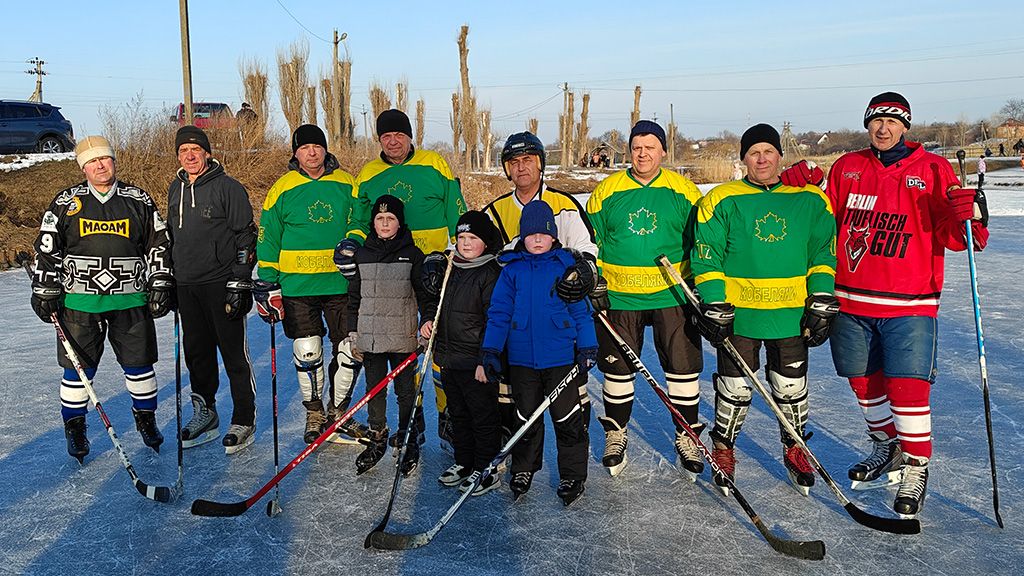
(898, 209)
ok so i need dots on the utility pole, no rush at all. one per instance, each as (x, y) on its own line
(335, 111)
(37, 96)
(186, 60)
(366, 130)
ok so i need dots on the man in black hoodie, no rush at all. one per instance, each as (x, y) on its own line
(213, 233)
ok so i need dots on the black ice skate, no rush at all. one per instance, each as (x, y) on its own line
(690, 459)
(570, 490)
(238, 438)
(411, 459)
(375, 449)
(910, 497)
(883, 467)
(145, 423)
(315, 419)
(78, 443)
(520, 484)
(351, 432)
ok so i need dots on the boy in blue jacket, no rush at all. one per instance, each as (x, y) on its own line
(542, 333)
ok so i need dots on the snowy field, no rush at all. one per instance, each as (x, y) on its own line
(62, 518)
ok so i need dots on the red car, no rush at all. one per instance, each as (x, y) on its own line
(204, 114)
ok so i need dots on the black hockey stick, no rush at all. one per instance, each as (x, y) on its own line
(274, 506)
(983, 366)
(417, 406)
(210, 508)
(158, 493)
(394, 541)
(893, 525)
(808, 550)
(180, 486)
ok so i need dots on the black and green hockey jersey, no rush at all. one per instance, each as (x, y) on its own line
(102, 247)
(634, 223)
(764, 249)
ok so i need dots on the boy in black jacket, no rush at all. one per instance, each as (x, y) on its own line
(384, 297)
(472, 399)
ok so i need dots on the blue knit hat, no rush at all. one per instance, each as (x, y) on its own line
(648, 127)
(537, 218)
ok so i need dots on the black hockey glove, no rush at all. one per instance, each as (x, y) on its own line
(269, 303)
(434, 266)
(47, 300)
(599, 295)
(345, 257)
(586, 358)
(714, 321)
(819, 312)
(238, 298)
(162, 298)
(578, 280)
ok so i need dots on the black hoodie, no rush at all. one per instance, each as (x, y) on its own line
(213, 237)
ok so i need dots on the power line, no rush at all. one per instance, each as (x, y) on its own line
(301, 24)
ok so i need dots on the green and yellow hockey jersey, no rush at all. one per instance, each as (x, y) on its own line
(763, 250)
(634, 223)
(424, 183)
(303, 220)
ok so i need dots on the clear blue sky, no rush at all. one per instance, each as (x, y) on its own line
(723, 65)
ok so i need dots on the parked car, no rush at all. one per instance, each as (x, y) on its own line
(204, 114)
(34, 127)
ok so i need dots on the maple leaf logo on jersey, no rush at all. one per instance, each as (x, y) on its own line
(856, 246)
(402, 191)
(643, 222)
(771, 228)
(321, 212)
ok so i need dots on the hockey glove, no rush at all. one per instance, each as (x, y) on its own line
(47, 300)
(434, 266)
(599, 295)
(238, 298)
(491, 361)
(714, 321)
(586, 358)
(803, 173)
(965, 205)
(578, 280)
(345, 257)
(816, 324)
(162, 298)
(269, 302)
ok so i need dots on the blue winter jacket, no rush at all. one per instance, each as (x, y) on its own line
(540, 329)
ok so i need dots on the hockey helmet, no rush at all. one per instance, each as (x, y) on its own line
(522, 143)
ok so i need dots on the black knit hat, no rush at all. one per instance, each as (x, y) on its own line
(888, 104)
(388, 203)
(191, 135)
(393, 121)
(760, 133)
(648, 127)
(308, 134)
(480, 225)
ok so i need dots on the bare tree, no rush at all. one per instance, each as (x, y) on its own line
(456, 124)
(634, 116)
(255, 85)
(291, 72)
(583, 130)
(379, 101)
(331, 119)
(467, 120)
(1013, 109)
(311, 105)
(531, 125)
(402, 95)
(486, 138)
(421, 113)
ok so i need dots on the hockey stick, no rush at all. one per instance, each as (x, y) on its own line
(179, 488)
(893, 525)
(209, 508)
(417, 406)
(158, 493)
(808, 550)
(394, 541)
(982, 365)
(274, 506)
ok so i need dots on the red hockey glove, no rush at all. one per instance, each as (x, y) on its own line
(961, 202)
(803, 173)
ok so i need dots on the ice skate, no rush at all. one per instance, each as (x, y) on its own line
(78, 443)
(203, 427)
(145, 423)
(913, 488)
(520, 484)
(615, 442)
(725, 459)
(485, 486)
(315, 420)
(801, 474)
(410, 460)
(571, 490)
(690, 459)
(238, 438)
(454, 475)
(376, 448)
(351, 432)
(882, 468)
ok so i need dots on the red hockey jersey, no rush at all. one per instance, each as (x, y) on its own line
(893, 225)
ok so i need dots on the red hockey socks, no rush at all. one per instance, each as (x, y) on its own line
(874, 402)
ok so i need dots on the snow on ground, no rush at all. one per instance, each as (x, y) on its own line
(59, 517)
(19, 161)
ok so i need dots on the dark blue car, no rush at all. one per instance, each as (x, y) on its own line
(34, 127)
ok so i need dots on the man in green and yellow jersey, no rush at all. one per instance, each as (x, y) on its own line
(433, 201)
(638, 214)
(304, 217)
(764, 259)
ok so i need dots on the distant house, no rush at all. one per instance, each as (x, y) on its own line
(1011, 129)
